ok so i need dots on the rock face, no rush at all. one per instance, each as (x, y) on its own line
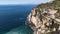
(45, 18)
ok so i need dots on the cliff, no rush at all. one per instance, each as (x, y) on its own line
(45, 18)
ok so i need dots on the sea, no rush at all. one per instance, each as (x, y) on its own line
(13, 17)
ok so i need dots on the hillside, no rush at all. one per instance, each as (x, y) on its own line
(45, 18)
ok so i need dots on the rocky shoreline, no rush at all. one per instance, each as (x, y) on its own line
(44, 18)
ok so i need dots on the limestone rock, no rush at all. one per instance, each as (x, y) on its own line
(45, 18)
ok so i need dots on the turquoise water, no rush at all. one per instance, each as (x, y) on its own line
(13, 17)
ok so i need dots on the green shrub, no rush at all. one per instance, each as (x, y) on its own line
(31, 24)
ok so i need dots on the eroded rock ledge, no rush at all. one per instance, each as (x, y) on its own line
(45, 18)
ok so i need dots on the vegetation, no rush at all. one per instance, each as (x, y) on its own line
(51, 26)
(51, 5)
(31, 24)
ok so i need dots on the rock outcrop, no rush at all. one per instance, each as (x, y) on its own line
(45, 18)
